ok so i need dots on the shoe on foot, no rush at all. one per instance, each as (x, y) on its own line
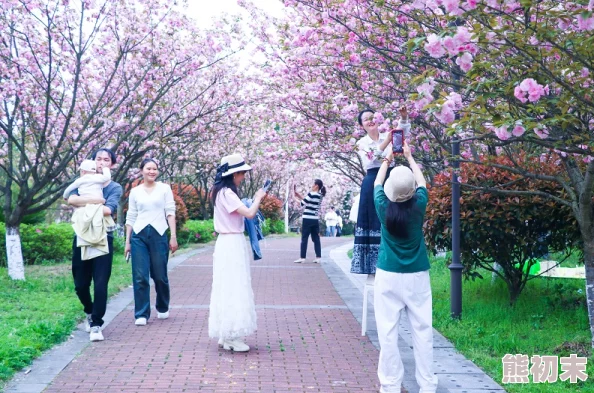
(88, 320)
(96, 334)
(221, 341)
(163, 315)
(236, 345)
(317, 260)
(140, 321)
(300, 260)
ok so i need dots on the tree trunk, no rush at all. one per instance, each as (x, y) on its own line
(14, 254)
(120, 214)
(589, 264)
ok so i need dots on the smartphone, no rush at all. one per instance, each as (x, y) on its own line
(397, 141)
(267, 185)
(128, 257)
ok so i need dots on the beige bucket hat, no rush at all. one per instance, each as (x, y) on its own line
(401, 184)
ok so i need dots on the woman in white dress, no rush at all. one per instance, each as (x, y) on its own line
(232, 310)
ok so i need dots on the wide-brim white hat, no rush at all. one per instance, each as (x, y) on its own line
(233, 163)
(401, 184)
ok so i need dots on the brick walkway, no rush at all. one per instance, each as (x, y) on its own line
(307, 339)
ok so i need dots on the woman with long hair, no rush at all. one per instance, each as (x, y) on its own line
(367, 230)
(402, 276)
(311, 218)
(232, 310)
(151, 212)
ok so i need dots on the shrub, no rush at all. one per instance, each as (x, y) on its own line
(191, 198)
(181, 212)
(41, 243)
(508, 229)
(196, 231)
(273, 226)
(271, 207)
(276, 226)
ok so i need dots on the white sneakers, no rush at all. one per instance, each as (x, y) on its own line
(301, 260)
(236, 345)
(96, 334)
(142, 321)
(95, 331)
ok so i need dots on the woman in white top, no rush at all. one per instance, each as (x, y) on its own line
(151, 210)
(368, 229)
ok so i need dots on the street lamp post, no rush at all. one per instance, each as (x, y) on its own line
(455, 267)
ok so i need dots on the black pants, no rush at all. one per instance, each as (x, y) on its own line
(311, 226)
(97, 270)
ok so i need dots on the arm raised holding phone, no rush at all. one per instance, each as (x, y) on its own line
(398, 134)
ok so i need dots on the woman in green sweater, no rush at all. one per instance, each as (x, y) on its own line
(402, 275)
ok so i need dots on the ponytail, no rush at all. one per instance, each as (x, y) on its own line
(321, 187)
(398, 216)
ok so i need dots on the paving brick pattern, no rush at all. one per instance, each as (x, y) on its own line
(307, 340)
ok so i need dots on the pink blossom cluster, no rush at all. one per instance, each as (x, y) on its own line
(530, 90)
(447, 113)
(460, 44)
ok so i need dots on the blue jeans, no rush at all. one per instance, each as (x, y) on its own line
(330, 231)
(150, 254)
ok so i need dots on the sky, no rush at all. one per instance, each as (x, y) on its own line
(204, 10)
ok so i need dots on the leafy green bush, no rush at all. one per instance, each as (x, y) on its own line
(196, 231)
(41, 243)
(273, 226)
(512, 230)
(202, 231)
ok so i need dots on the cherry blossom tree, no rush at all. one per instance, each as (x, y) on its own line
(77, 75)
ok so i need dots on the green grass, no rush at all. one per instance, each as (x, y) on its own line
(42, 311)
(550, 318)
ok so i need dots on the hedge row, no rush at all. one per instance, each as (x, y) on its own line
(202, 231)
(41, 243)
(53, 243)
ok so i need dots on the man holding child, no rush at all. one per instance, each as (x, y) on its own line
(97, 269)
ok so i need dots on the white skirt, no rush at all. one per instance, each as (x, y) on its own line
(232, 308)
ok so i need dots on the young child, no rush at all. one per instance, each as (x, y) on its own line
(89, 223)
